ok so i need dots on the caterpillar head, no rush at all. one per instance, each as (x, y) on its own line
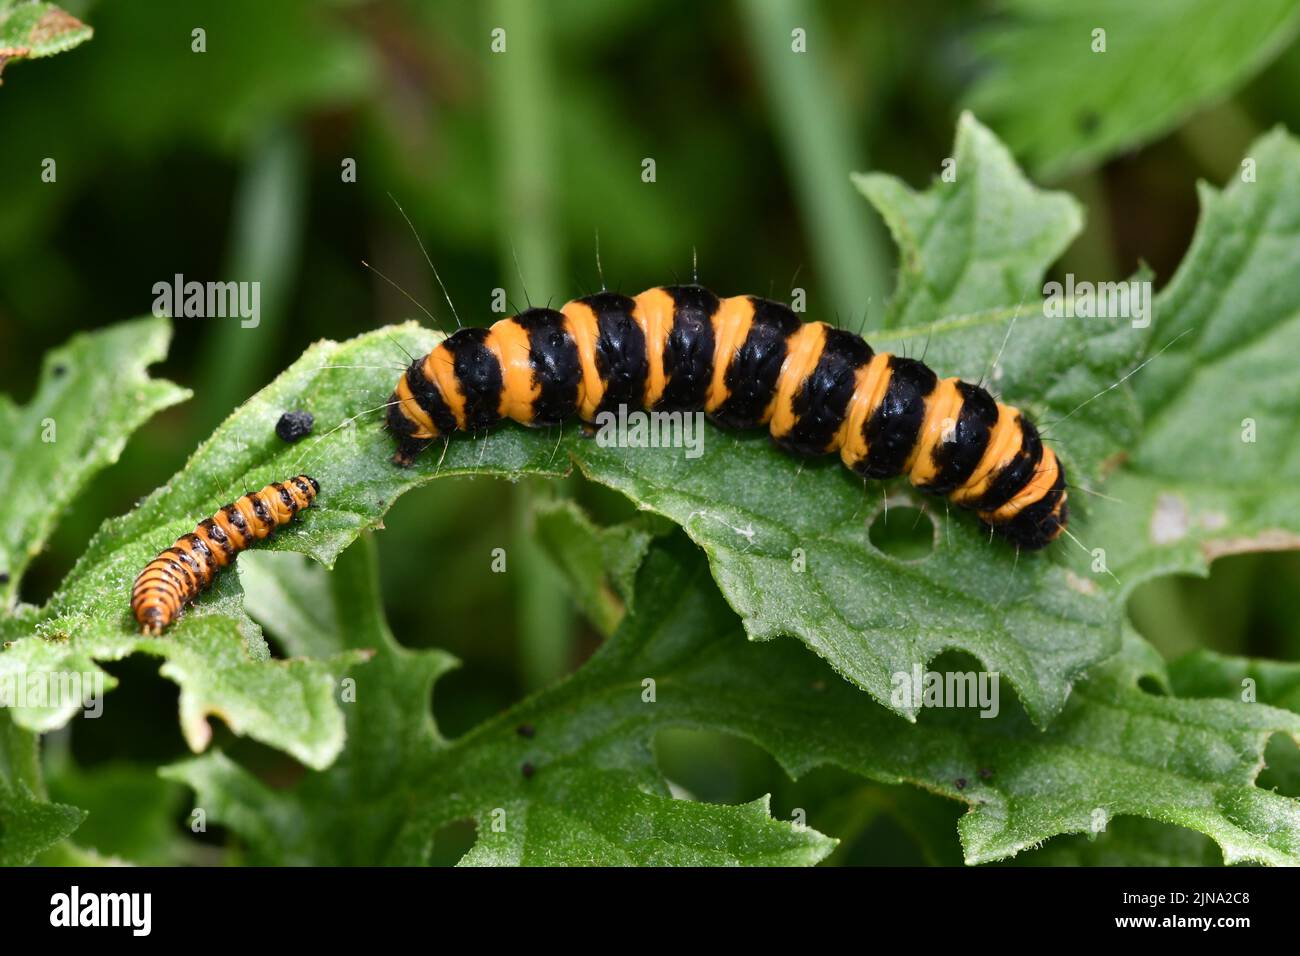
(1039, 524)
(152, 619)
(410, 438)
(408, 419)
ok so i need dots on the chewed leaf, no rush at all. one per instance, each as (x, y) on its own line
(568, 776)
(35, 29)
(789, 542)
(49, 449)
(29, 825)
(53, 445)
(29, 821)
(746, 503)
(981, 237)
(1214, 471)
(565, 779)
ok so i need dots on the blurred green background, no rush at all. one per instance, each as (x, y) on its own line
(227, 165)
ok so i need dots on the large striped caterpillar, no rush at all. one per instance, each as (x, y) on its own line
(175, 578)
(745, 361)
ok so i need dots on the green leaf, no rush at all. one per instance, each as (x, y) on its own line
(130, 812)
(93, 393)
(220, 661)
(592, 796)
(1063, 107)
(599, 564)
(216, 655)
(1128, 841)
(29, 822)
(599, 818)
(1115, 750)
(1200, 674)
(1040, 621)
(1205, 673)
(1119, 749)
(49, 450)
(295, 602)
(29, 825)
(31, 30)
(1214, 471)
(869, 613)
(746, 504)
(980, 241)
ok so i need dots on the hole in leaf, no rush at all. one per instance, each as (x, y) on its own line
(903, 531)
(452, 841)
(1281, 766)
(1238, 610)
(713, 767)
(1151, 686)
(1126, 841)
(467, 696)
(138, 722)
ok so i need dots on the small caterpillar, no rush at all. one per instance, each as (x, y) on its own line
(745, 361)
(174, 578)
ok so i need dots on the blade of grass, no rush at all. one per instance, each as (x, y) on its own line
(849, 249)
(529, 250)
(264, 248)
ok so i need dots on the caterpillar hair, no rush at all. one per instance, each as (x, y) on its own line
(745, 361)
(173, 579)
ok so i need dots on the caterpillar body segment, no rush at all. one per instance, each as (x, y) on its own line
(746, 362)
(173, 579)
